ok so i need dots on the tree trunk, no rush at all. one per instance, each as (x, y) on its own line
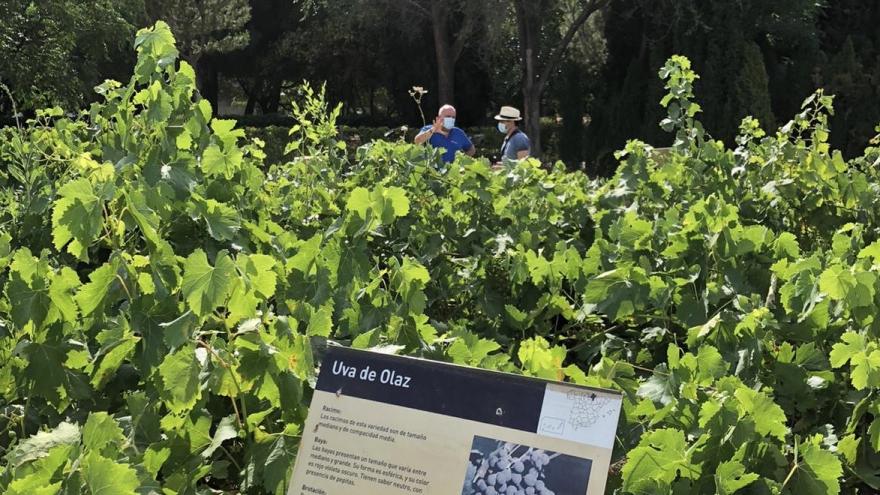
(272, 99)
(532, 114)
(444, 53)
(528, 15)
(529, 18)
(251, 105)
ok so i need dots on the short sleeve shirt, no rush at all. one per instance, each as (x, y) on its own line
(514, 144)
(456, 141)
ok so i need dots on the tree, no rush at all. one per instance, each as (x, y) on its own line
(54, 52)
(271, 55)
(531, 16)
(754, 57)
(453, 23)
(205, 29)
(851, 44)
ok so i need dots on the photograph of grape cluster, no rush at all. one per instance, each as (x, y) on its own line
(497, 467)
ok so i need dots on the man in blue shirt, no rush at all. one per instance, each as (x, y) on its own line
(444, 134)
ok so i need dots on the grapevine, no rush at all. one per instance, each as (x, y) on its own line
(167, 292)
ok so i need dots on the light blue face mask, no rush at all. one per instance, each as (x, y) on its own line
(502, 128)
(448, 122)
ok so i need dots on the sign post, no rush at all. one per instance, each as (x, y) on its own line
(381, 424)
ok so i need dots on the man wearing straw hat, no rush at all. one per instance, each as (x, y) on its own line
(516, 144)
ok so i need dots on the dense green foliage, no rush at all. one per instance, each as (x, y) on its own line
(757, 57)
(53, 52)
(167, 291)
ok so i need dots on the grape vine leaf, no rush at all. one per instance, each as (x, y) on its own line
(100, 431)
(43, 471)
(38, 446)
(77, 218)
(863, 357)
(205, 287)
(321, 322)
(769, 418)
(28, 290)
(91, 295)
(226, 430)
(661, 456)
(837, 281)
(731, 476)
(818, 472)
(180, 374)
(103, 476)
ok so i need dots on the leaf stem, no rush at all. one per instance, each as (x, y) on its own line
(228, 368)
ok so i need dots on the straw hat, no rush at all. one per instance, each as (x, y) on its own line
(508, 113)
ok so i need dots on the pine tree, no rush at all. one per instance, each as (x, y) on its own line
(751, 89)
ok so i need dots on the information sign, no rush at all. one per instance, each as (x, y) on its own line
(381, 424)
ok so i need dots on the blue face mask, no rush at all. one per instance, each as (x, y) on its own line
(502, 128)
(448, 122)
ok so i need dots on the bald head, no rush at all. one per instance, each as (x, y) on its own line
(446, 111)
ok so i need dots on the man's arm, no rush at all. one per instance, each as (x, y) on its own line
(523, 146)
(469, 148)
(424, 136)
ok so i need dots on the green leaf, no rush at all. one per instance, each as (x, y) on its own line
(874, 434)
(864, 360)
(77, 218)
(871, 251)
(661, 387)
(154, 457)
(862, 295)
(225, 131)
(62, 290)
(260, 274)
(837, 281)
(178, 331)
(321, 322)
(540, 359)
(865, 370)
(469, 349)
(180, 376)
(395, 204)
(818, 472)
(216, 162)
(28, 290)
(848, 447)
(43, 472)
(731, 476)
(91, 295)
(100, 431)
(47, 374)
(853, 344)
(226, 430)
(105, 477)
(661, 456)
(768, 416)
(39, 445)
(786, 245)
(359, 202)
(157, 41)
(306, 253)
(222, 220)
(205, 287)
